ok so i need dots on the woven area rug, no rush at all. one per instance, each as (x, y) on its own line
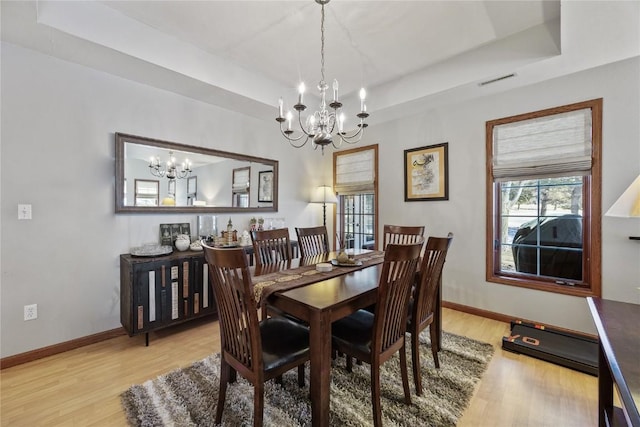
(188, 396)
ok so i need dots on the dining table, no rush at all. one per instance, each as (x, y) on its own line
(297, 288)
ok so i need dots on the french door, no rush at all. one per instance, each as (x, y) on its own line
(356, 220)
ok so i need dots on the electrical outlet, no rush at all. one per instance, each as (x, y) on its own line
(31, 312)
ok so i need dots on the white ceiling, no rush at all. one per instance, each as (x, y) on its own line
(243, 55)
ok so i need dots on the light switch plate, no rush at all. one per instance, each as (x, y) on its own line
(24, 211)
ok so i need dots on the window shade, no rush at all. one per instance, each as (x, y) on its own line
(355, 172)
(147, 188)
(240, 180)
(542, 147)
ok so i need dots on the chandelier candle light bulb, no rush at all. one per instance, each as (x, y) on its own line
(289, 117)
(320, 125)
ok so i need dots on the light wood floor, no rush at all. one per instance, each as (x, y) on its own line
(82, 387)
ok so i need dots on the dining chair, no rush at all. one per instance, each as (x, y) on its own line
(375, 337)
(271, 246)
(257, 350)
(401, 234)
(423, 302)
(312, 240)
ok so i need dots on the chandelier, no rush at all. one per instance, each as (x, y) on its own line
(169, 169)
(319, 127)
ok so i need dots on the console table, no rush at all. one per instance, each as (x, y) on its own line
(162, 291)
(156, 292)
(618, 326)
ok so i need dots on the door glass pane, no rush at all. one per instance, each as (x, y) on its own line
(356, 221)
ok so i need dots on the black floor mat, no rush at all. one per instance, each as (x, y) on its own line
(562, 348)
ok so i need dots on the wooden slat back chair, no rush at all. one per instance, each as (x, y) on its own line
(375, 337)
(423, 303)
(271, 246)
(312, 240)
(259, 351)
(401, 234)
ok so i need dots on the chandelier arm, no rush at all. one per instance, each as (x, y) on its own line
(302, 128)
(287, 134)
(332, 118)
(293, 140)
(354, 138)
(293, 144)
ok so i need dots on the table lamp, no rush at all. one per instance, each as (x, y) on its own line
(324, 194)
(628, 204)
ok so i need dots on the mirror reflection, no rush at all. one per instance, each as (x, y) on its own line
(154, 175)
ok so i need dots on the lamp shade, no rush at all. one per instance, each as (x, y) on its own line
(628, 204)
(323, 194)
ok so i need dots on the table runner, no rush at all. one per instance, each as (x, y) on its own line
(265, 285)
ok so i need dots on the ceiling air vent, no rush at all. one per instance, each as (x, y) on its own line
(497, 79)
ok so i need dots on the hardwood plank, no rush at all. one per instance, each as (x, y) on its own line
(82, 386)
(518, 390)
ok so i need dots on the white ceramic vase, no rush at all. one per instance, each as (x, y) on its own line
(183, 242)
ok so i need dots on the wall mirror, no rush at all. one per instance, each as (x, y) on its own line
(162, 176)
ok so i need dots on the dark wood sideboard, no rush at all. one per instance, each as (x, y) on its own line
(162, 291)
(618, 325)
(157, 292)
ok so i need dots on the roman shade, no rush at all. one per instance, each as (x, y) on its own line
(241, 180)
(547, 146)
(355, 172)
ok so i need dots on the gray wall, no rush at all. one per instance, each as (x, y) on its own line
(57, 153)
(462, 125)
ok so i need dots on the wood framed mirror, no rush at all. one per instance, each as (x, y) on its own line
(175, 166)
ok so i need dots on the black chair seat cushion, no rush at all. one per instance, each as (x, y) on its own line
(410, 312)
(276, 312)
(410, 316)
(354, 331)
(283, 341)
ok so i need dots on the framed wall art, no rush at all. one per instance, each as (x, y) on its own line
(169, 232)
(426, 173)
(265, 186)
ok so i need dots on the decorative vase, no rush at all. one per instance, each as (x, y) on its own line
(183, 242)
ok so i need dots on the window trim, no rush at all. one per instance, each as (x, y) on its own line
(592, 196)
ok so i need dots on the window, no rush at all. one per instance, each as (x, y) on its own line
(355, 181)
(192, 189)
(147, 192)
(543, 199)
(240, 187)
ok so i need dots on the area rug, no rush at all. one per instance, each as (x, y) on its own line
(188, 396)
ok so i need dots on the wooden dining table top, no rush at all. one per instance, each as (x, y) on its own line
(300, 275)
